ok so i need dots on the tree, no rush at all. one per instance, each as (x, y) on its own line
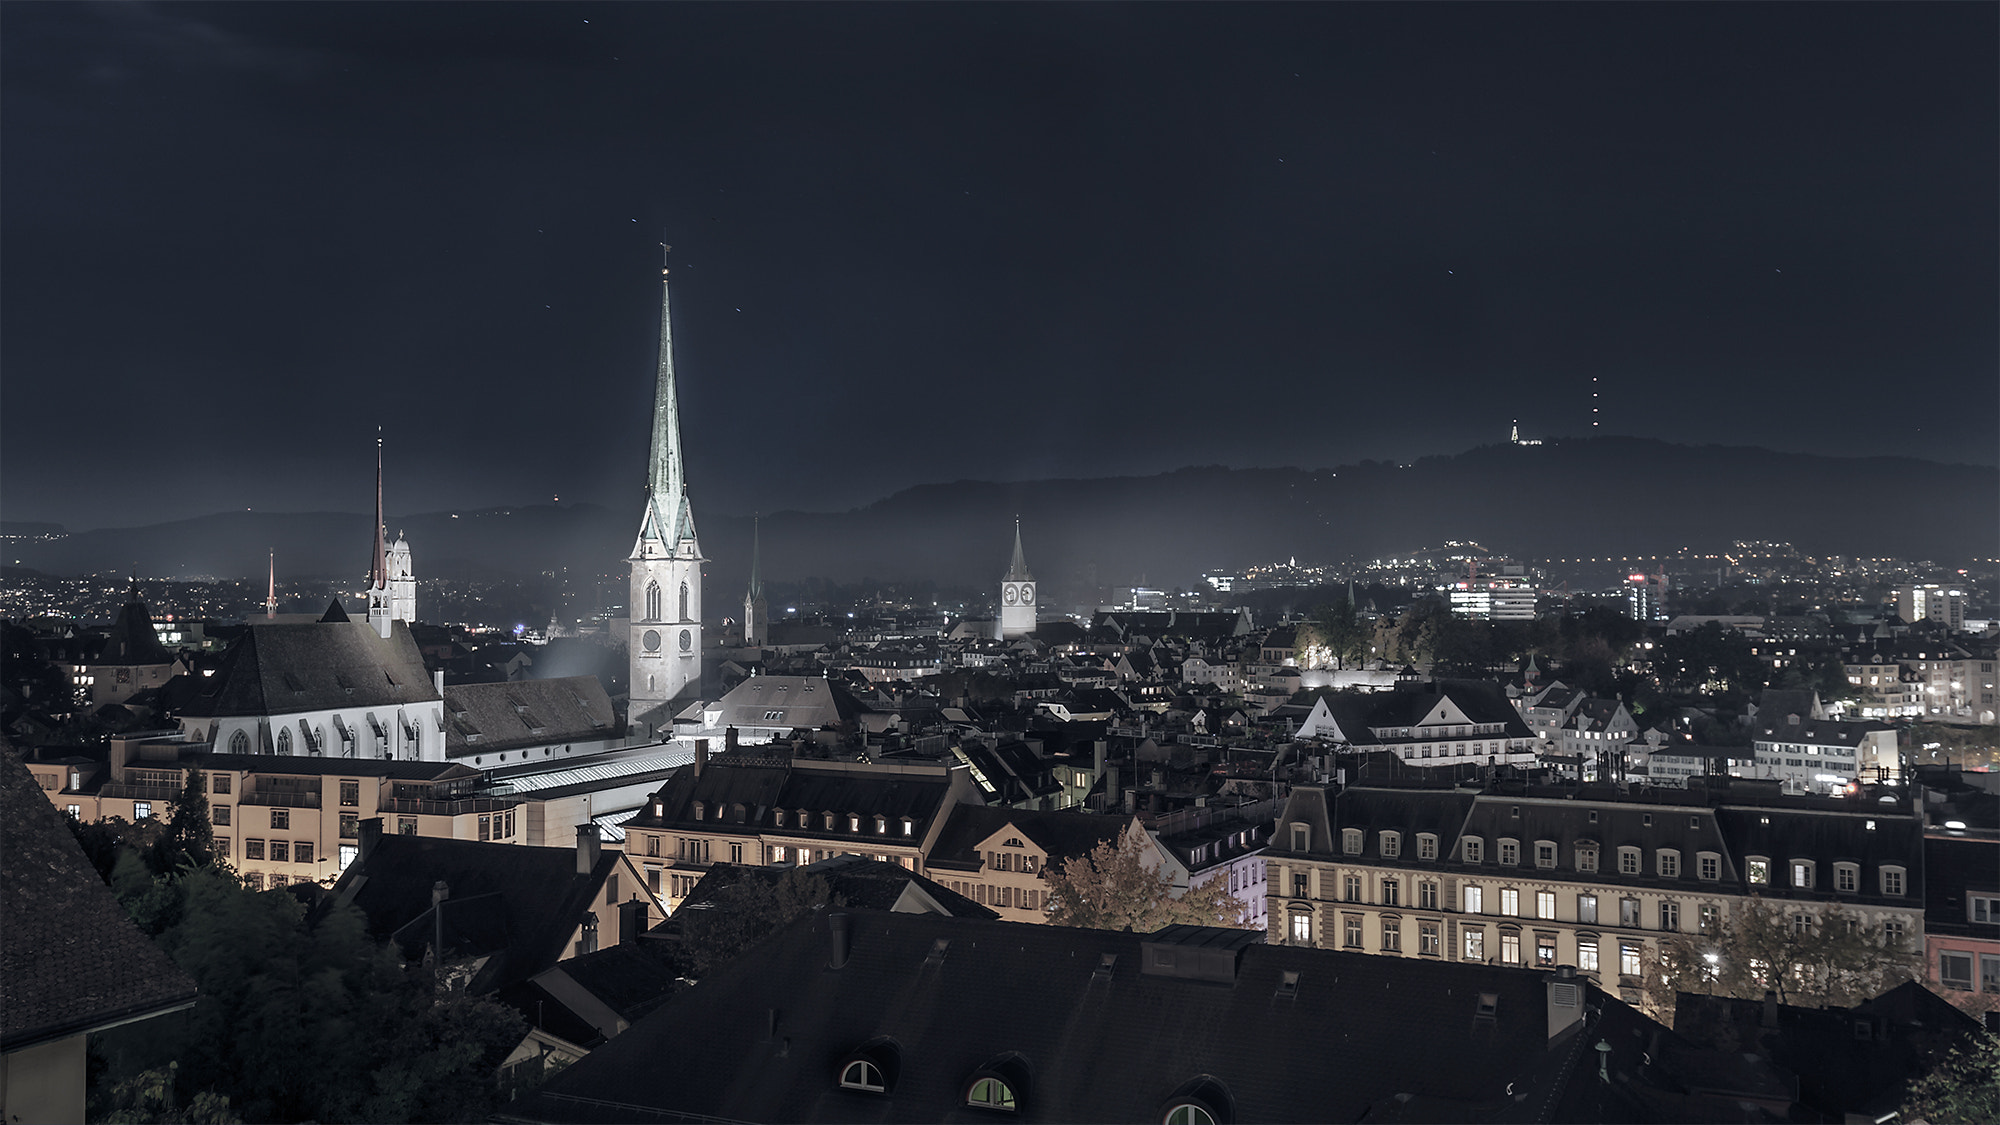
(741, 915)
(190, 838)
(1111, 888)
(1808, 953)
(1964, 1086)
(1339, 631)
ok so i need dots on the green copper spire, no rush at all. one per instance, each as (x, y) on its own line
(756, 591)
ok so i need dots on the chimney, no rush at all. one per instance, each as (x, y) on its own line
(437, 678)
(731, 739)
(840, 927)
(588, 846)
(440, 891)
(370, 834)
(632, 918)
(1565, 1000)
(701, 753)
(1770, 1020)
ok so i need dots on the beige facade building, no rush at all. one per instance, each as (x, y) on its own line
(1549, 880)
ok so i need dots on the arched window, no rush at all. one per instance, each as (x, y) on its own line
(684, 602)
(862, 1075)
(1188, 1113)
(239, 743)
(284, 740)
(991, 1093)
(652, 601)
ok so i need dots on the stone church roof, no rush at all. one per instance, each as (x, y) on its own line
(285, 669)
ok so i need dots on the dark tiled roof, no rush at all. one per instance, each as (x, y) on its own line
(1954, 865)
(1097, 1037)
(133, 640)
(282, 669)
(868, 884)
(502, 716)
(518, 904)
(70, 959)
(1060, 835)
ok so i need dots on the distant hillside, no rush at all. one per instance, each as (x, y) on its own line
(1591, 497)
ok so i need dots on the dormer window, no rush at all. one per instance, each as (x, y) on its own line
(1668, 862)
(909, 826)
(991, 1093)
(1301, 837)
(1392, 845)
(1545, 854)
(881, 825)
(1427, 845)
(1474, 849)
(778, 818)
(1510, 853)
(700, 810)
(862, 1075)
(1586, 858)
(1628, 861)
(1802, 874)
(854, 822)
(1350, 841)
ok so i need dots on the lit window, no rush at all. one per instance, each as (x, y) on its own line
(989, 1093)
(1802, 874)
(1302, 929)
(1472, 899)
(1586, 953)
(1759, 869)
(141, 810)
(1510, 902)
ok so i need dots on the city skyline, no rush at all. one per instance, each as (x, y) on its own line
(930, 244)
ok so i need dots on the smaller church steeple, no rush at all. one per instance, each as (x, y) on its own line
(1017, 594)
(271, 593)
(756, 615)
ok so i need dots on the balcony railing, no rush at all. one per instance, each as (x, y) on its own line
(287, 798)
(409, 805)
(130, 791)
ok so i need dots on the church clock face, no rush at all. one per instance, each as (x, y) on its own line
(687, 640)
(1027, 595)
(1010, 594)
(652, 640)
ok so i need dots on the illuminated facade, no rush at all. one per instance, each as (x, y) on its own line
(665, 605)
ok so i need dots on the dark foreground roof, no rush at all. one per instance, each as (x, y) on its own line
(1091, 1025)
(70, 959)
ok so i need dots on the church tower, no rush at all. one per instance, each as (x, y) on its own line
(402, 582)
(1017, 594)
(665, 598)
(392, 586)
(756, 614)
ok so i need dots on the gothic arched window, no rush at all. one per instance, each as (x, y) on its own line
(284, 740)
(239, 743)
(684, 602)
(652, 601)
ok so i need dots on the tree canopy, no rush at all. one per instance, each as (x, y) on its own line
(1111, 888)
(1831, 958)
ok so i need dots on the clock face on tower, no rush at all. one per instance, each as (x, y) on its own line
(652, 640)
(1009, 594)
(1027, 595)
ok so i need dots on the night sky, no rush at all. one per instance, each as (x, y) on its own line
(929, 242)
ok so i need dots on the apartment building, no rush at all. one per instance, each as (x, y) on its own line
(1555, 878)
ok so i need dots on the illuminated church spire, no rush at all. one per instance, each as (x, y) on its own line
(665, 601)
(271, 595)
(756, 614)
(1017, 594)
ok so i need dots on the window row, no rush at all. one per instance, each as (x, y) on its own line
(1005, 1086)
(277, 851)
(1803, 874)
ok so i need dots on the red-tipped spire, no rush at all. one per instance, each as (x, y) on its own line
(378, 562)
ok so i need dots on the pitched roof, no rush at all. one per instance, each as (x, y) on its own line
(1060, 835)
(1117, 1027)
(71, 960)
(516, 904)
(286, 668)
(132, 640)
(501, 716)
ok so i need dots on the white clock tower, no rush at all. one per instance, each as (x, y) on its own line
(1017, 595)
(666, 565)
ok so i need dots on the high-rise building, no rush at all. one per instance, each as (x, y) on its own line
(1932, 602)
(665, 562)
(1646, 596)
(1017, 595)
